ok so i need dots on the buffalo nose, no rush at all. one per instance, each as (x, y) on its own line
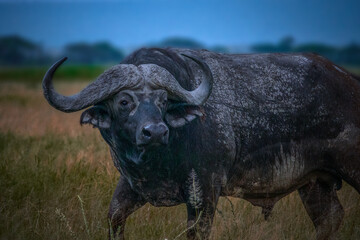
(155, 133)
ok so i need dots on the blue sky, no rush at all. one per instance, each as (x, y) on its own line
(124, 23)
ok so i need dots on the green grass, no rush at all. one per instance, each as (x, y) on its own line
(36, 181)
(34, 75)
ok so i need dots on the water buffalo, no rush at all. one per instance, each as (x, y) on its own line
(256, 126)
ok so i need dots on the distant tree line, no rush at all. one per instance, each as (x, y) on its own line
(97, 53)
(16, 50)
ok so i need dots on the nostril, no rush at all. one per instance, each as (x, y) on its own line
(146, 133)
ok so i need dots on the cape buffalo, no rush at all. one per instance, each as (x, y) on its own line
(256, 126)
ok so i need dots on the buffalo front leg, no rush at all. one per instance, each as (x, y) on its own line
(200, 219)
(323, 206)
(124, 202)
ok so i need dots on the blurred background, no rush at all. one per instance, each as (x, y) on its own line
(57, 178)
(93, 32)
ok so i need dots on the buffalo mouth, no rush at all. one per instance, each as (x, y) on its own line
(151, 145)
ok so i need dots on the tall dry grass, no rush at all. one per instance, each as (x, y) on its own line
(55, 176)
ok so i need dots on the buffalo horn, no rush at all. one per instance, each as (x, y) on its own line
(107, 84)
(197, 96)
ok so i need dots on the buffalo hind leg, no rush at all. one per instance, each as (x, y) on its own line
(349, 167)
(323, 206)
(345, 156)
(124, 202)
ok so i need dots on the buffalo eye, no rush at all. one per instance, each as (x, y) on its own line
(124, 102)
(164, 102)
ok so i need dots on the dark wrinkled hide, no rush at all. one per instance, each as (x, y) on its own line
(273, 124)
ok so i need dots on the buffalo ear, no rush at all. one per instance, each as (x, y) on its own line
(180, 116)
(96, 116)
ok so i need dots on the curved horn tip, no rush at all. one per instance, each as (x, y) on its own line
(56, 65)
(198, 61)
(53, 68)
(60, 61)
(47, 85)
(203, 91)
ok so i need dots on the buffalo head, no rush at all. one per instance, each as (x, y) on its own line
(135, 104)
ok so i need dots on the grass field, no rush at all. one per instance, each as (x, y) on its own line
(31, 76)
(57, 179)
